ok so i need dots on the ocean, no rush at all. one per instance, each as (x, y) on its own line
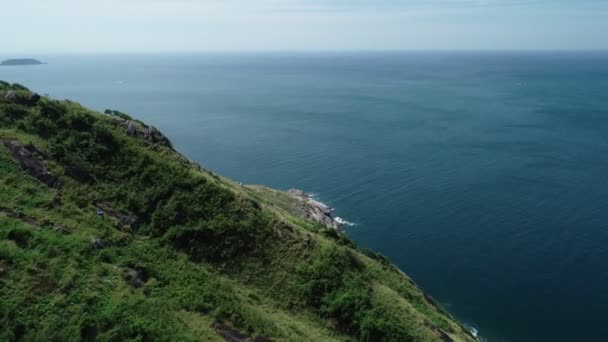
(483, 175)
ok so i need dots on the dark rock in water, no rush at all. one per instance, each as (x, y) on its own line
(30, 163)
(232, 335)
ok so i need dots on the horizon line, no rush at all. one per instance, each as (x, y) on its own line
(295, 51)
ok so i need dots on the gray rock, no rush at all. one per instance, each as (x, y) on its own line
(315, 210)
(131, 130)
(97, 243)
(25, 98)
(32, 99)
(133, 277)
(297, 193)
(123, 221)
(147, 133)
(9, 95)
(30, 163)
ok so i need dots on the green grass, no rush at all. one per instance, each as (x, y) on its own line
(205, 249)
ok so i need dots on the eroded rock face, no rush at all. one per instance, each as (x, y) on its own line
(28, 161)
(315, 210)
(147, 133)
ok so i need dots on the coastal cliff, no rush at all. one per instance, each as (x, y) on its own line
(108, 233)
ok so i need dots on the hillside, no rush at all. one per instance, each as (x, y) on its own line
(108, 233)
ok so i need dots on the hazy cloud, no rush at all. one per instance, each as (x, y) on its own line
(193, 25)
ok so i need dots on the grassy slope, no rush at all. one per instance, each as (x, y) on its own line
(207, 248)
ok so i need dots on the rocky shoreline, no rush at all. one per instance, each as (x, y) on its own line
(317, 211)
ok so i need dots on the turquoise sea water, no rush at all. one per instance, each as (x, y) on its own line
(484, 176)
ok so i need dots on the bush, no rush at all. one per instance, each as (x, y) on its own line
(325, 274)
(21, 236)
(52, 109)
(10, 112)
(118, 114)
(17, 86)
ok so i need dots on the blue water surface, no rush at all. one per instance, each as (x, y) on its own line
(483, 175)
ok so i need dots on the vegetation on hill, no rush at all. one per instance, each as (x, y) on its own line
(107, 233)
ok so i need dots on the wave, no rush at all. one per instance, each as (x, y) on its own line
(313, 198)
(474, 332)
(344, 222)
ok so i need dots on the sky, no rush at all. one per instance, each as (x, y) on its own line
(94, 26)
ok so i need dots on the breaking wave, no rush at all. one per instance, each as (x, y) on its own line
(344, 222)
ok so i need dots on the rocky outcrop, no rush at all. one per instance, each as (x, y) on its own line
(8, 95)
(135, 277)
(148, 133)
(26, 98)
(28, 161)
(315, 210)
(122, 221)
(32, 99)
(232, 335)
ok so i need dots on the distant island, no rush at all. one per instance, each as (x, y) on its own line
(22, 61)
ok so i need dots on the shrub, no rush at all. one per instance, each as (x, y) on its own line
(17, 86)
(10, 112)
(118, 114)
(21, 236)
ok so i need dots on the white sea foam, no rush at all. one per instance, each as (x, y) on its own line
(344, 222)
(473, 332)
(313, 198)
